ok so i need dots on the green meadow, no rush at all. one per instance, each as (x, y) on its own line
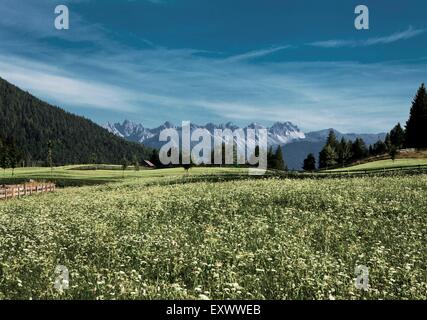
(162, 234)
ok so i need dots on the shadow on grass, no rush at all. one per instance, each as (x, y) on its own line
(59, 182)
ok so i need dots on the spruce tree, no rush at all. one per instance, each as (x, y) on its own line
(387, 142)
(309, 163)
(330, 156)
(332, 140)
(359, 149)
(279, 162)
(416, 126)
(271, 162)
(397, 136)
(344, 152)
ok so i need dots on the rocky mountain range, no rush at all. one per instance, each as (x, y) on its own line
(295, 143)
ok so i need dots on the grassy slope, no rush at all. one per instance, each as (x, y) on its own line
(273, 239)
(385, 164)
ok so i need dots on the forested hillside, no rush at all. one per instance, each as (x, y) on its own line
(31, 130)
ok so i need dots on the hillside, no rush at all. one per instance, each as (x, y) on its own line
(407, 158)
(30, 123)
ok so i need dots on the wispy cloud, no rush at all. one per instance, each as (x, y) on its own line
(403, 35)
(178, 85)
(256, 54)
(156, 83)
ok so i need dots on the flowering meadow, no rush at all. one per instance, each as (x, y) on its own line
(247, 239)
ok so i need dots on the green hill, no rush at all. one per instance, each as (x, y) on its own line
(29, 124)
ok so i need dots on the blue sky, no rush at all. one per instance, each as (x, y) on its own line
(217, 61)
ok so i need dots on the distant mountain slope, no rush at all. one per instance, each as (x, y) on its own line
(322, 135)
(296, 145)
(31, 123)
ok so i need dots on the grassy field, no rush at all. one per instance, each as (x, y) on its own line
(159, 238)
(72, 176)
(385, 164)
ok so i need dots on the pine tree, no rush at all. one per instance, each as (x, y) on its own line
(332, 140)
(344, 152)
(387, 142)
(416, 126)
(329, 154)
(279, 161)
(359, 149)
(397, 136)
(271, 162)
(309, 163)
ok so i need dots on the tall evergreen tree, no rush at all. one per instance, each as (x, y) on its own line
(397, 136)
(332, 140)
(329, 155)
(359, 149)
(387, 142)
(280, 162)
(309, 163)
(271, 162)
(344, 152)
(416, 126)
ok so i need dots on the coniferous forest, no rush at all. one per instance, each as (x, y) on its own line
(340, 153)
(33, 132)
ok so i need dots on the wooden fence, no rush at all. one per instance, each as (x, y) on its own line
(22, 190)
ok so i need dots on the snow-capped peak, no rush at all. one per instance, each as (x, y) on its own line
(278, 134)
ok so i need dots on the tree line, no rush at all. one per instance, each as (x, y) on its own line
(340, 153)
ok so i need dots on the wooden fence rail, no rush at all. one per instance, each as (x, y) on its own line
(22, 190)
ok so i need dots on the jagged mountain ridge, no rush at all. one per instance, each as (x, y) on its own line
(296, 144)
(280, 133)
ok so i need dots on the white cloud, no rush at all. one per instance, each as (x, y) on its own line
(403, 35)
(256, 54)
(171, 84)
(66, 89)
